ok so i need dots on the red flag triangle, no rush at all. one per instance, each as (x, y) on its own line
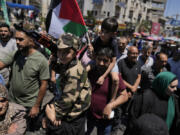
(70, 10)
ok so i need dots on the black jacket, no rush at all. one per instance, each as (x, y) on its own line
(148, 102)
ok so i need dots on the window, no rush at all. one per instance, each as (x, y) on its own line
(130, 14)
(95, 13)
(139, 17)
(108, 14)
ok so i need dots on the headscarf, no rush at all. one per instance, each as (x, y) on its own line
(159, 85)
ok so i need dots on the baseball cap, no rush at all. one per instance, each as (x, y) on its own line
(68, 41)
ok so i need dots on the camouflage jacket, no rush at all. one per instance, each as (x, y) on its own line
(15, 114)
(76, 92)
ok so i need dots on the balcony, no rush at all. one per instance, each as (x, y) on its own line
(97, 1)
(159, 1)
(121, 4)
(158, 9)
(157, 13)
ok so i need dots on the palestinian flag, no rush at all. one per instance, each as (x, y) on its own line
(65, 17)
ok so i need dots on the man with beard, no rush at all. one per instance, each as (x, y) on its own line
(149, 73)
(7, 45)
(122, 48)
(30, 72)
(130, 70)
(12, 120)
(144, 59)
(101, 103)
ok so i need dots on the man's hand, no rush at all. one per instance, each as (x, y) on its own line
(12, 128)
(53, 79)
(133, 89)
(100, 81)
(107, 111)
(34, 111)
(52, 58)
(90, 48)
(129, 94)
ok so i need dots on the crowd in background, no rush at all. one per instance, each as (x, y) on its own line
(118, 85)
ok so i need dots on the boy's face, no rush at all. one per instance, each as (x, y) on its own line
(102, 61)
(65, 55)
(105, 35)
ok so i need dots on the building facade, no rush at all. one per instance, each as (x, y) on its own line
(125, 11)
(100, 9)
(156, 12)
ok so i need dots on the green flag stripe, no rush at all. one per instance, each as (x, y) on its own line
(75, 28)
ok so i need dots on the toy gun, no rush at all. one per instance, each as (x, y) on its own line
(39, 38)
(44, 40)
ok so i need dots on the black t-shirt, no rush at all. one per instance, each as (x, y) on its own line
(129, 71)
(112, 45)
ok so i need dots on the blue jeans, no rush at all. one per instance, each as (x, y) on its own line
(103, 126)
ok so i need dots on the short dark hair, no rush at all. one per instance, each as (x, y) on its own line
(110, 24)
(104, 52)
(5, 25)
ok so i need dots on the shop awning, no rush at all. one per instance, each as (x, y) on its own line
(15, 5)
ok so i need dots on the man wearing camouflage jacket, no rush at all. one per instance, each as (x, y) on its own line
(66, 115)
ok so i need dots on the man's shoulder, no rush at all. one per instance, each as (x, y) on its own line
(12, 40)
(170, 61)
(147, 69)
(122, 62)
(12, 43)
(39, 55)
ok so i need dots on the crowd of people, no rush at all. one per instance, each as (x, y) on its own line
(114, 85)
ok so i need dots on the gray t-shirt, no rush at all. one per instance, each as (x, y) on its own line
(27, 72)
(5, 49)
(144, 65)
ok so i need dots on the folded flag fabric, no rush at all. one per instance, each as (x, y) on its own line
(65, 17)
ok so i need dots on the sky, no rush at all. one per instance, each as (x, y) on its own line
(172, 8)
